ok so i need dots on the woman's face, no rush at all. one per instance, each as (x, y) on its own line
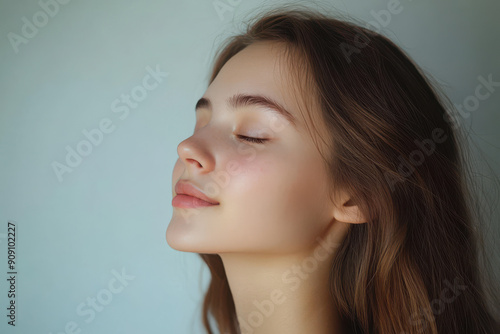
(273, 196)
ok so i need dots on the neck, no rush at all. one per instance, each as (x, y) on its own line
(283, 293)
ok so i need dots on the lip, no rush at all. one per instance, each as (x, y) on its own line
(188, 196)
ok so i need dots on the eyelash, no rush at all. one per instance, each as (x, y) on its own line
(253, 140)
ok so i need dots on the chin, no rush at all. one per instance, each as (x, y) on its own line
(182, 242)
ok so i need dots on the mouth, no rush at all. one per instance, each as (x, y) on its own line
(186, 201)
(188, 196)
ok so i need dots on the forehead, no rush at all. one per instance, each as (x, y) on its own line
(260, 68)
(266, 68)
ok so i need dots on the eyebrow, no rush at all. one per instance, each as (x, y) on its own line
(242, 100)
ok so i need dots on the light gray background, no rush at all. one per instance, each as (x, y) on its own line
(111, 212)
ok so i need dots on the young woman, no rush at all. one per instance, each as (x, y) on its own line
(324, 186)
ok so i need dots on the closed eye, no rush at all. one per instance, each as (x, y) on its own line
(253, 140)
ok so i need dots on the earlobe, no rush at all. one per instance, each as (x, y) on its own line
(348, 212)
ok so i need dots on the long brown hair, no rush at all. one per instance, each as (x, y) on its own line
(415, 266)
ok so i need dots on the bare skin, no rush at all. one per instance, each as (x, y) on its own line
(276, 229)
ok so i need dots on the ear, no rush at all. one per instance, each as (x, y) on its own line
(345, 210)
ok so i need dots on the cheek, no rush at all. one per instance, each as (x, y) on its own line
(279, 185)
(272, 205)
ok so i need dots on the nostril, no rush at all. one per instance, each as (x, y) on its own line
(194, 161)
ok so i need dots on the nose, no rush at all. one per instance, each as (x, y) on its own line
(195, 155)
